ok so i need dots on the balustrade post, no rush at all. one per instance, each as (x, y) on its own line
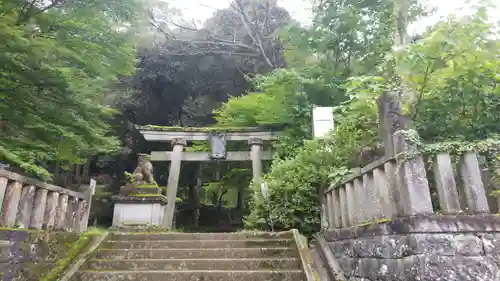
(472, 184)
(330, 210)
(79, 213)
(26, 206)
(51, 210)
(414, 187)
(342, 199)
(449, 199)
(358, 191)
(383, 193)
(325, 225)
(39, 208)
(71, 213)
(61, 210)
(3, 189)
(11, 203)
(396, 201)
(351, 203)
(370, 205)
(337, 209)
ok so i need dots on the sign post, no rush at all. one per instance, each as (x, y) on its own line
(322, 121)
(264, 188)
(92, 186)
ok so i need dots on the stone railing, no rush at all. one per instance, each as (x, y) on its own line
(387, 189)
(29, 203)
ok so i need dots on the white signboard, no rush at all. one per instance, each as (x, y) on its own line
(264, 188)
(92, 186)
(322, 121)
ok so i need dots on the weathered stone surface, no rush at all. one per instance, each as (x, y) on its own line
(287, 275)
(200, 236)
(50, 212)
(25, 206)
(444, 248)
(420, 224)
(61, 210)
(433, 244)
(342, 248)
(11, 204)
(459, 268)
(491, 243)
(39, 205)
(243, 256)
(28, 255)
(206, 244)
(384, 247)
(196, 253)
(193, 264)
(469, 245)
(348, 265)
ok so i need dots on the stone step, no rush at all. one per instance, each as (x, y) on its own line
(199, 275)
(199, 236)
(194, 264)
(179, 244)
(233, 253)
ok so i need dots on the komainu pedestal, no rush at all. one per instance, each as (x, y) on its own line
(140, 202)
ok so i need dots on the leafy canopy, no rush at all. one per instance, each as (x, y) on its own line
(57, 59)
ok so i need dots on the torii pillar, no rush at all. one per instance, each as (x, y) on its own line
(256, 157)
(178, 145)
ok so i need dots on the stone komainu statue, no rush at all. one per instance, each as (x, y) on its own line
(143, 174)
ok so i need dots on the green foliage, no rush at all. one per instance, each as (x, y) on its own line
(225, 191)
(280, 91)
(452, 83)
(59, 59)
(295, 182)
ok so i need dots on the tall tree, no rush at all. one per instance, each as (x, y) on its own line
(58, 58)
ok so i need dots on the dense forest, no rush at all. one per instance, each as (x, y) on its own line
(77, 76)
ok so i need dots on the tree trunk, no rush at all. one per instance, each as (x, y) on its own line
(239, 202)
(86, 170)
(78, 174)
(401, 37)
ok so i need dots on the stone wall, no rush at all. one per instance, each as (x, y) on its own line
(29, 255)
(437, 248)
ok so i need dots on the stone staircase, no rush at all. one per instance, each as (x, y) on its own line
(240, 256)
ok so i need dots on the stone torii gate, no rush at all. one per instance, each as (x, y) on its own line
(217, 137)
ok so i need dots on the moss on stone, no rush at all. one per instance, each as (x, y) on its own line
(148, 186)
(146, 195)
(206, 129)
(384, 220)
(44, 249)
(19, 229)
(74, 250)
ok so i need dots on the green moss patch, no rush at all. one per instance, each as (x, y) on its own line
(148, 186)
(205, 129)
(75, 249)
(146, 195)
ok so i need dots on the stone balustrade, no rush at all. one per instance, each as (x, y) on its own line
(29, 203)
(387, 189)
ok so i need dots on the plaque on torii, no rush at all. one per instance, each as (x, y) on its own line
(218, 145)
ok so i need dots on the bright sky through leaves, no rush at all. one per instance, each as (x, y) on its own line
(200, 10)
